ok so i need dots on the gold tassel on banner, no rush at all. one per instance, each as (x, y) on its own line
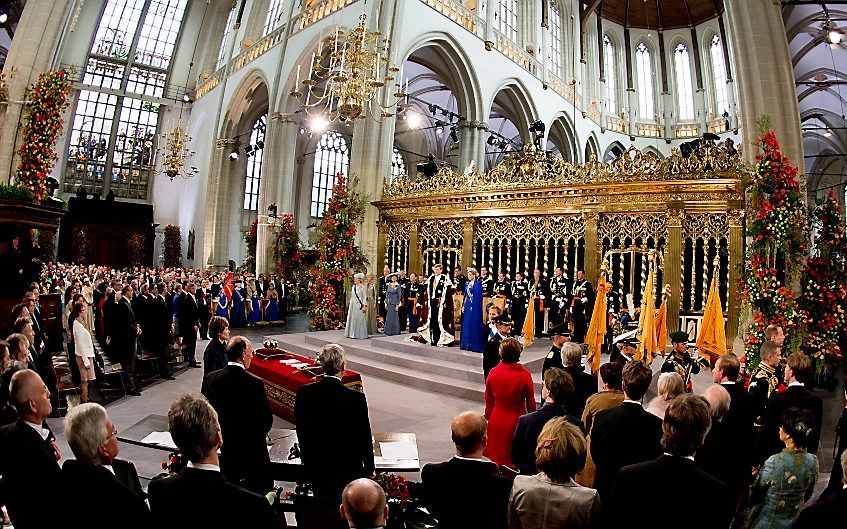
(711, 340)
(647, 349)
(528, 330)
(597, 328)
(662, 322)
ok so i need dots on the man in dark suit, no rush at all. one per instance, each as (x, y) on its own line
(245, 415)
(584, 384)
(93, 440)
(29, 458)
(203, 308)
(558, 389)
(325, 412)
(159, 330)
(468, 490)
(189, 322)
(627, 434)
(797, 371)
(124, 335)
(200, 496)
(686, 423)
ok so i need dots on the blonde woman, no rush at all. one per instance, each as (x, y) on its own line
(83, 349)
(670, 387)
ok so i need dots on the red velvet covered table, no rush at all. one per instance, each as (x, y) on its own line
(281, 380)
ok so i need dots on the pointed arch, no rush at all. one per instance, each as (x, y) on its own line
(562, 135)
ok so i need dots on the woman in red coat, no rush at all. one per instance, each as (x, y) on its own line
(509, 393)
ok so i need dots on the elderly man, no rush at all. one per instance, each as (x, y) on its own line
(29, 458)
(93, 440)
(200, 496)
(326, 412)
(241, 403)
(468, 490)
(584, 384)
(363, 504)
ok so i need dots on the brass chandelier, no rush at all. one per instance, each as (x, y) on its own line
(344, 80)
(176, 153)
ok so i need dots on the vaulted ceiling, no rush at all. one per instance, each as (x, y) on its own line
(657, 14)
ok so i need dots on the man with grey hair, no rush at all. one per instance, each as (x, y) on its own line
(363, 504)
(200, 496)
(325, 412)
(584, 384)
(93, 440)
(715, 457)
(29, 457)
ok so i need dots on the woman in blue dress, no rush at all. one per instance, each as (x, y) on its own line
(255, 312)
(473, 331)
(789, 476)
(238, 315)
(223, 306)
(272, 314)
(393, 295)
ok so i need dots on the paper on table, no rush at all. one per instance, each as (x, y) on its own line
(300, 365)
(289, 361)
(160, 438)
(398, 450)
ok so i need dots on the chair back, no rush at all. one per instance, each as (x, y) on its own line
(316, 512)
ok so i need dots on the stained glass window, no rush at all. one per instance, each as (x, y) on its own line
(684, 88)
(611, 65)
(254, 164)
(644, 65)
(719, 76)
(331, 157)
(508, 20)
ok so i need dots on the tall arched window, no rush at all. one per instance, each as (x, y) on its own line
(230, 20)
(115, 122)
(508, 22)
(556, 40)
(398, 166)
(719, 76)
(274, 18)
(644, 65)
(684, 88)
(611, 65)
(254, 163)
(331, 157)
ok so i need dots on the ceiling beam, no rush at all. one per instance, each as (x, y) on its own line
(592, 6)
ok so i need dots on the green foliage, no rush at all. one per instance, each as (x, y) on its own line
(15, 193)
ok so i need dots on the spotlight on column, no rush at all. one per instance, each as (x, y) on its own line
(454, 135)
(413, 119)
(834, 36)
(233, 155)
(491, 141)
(3, 18)
(439, 129)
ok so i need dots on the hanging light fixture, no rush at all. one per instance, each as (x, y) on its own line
(176, 153)
(344, 80)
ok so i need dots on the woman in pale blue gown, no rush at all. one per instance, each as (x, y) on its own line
(393, 296)
(788, 476)
(357, 312)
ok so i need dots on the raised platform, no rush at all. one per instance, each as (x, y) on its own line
(444, 370)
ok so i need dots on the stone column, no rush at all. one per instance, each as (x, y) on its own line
(218, 199)
(673, 264)
(592, 245)
(29, 55)
(490, 9)
(735, 221)
(415, 258)
(381, 245)
(765, 75)
(472, 136)
(468, 241)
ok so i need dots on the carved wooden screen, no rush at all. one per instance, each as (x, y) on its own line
(522, 244)
(627, 240)
(441, 242)
(704, 237)
(397, 245)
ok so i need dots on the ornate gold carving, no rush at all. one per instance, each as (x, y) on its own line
(542, 227)
(642, 225)
(397, 231)
(224, 143)
(441, 229)
(735, 218)
(531, 169)
(675, 217)
(705, 226)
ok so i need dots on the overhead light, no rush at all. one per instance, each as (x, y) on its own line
(413, 119)
(187, 98)
(491, 140)
(833, 34)
(3, 18)
(439, 129)
(233, 155)
(432, 109)
(827, 133)
(318, 124)
(454, 135)
(302, 130)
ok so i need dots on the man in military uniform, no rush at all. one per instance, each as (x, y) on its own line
(414, 297)
(503, 290)
(519, 300)
(624, 347)
(404, 282)
(558, 297)
(581, 305)
(538, 289)
(560, 335)
(383, 290)
(487, 282)
(766, 377)
(459, 279)
(491, 354)
(680, 361)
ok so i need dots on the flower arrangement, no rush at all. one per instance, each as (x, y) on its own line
(135, 248)
(81, 245)
(396, 487)
(337, 255)
(172, 247)
(287, 248)
(823, 303)
(174, 463)
(251, 239)
(48, 99)
(778, 231)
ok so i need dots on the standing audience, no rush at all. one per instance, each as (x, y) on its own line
(83, 347)
(584, 384)
(214, 357)
(611, 396)
(670, 387)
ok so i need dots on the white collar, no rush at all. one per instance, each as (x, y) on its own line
(239, 364)
(109, 468)
(203, 466)
(632, 402)
(728, 383)
(333, 376)
(685, 457)
(43, 432)
(792, 384)
(477, 460)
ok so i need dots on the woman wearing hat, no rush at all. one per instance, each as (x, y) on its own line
(357, 312)
(393, 298)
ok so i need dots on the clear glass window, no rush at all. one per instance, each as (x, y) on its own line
(331, 157)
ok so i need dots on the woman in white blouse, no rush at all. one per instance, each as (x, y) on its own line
(84, 348)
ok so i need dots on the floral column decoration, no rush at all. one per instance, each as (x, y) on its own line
(286, 248)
